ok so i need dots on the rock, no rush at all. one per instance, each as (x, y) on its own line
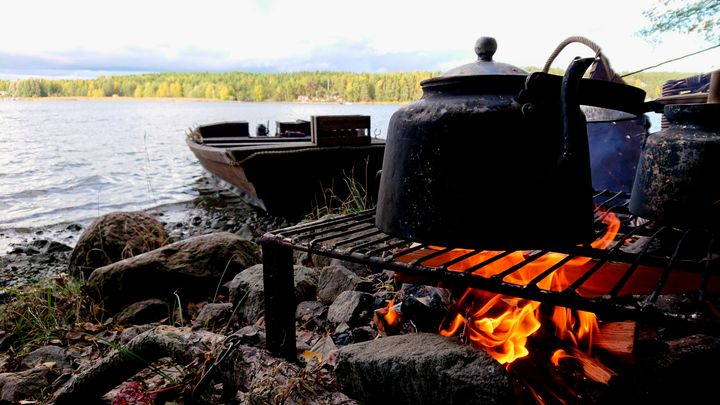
(25, 385)
(334, 280)
(193, 269)
(213, 316)
(419, 369)
(363, 333)
(247, 292)
(253, 335)
(42, 246)
(244, 232)
(308, 310)
(143, 312)
(665, 376)
(306, 283)
(74, 227)
(113, 237)
(54, 355)
(312, 315)
(352, 307)
(310, 260)
(357, 268)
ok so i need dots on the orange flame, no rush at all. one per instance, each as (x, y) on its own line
(391, 317)
(500, 324)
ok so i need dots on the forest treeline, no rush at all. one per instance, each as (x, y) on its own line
(300, 86)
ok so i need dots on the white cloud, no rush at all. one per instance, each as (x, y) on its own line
(261, 32)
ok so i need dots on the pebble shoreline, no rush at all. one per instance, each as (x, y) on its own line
(29, 255)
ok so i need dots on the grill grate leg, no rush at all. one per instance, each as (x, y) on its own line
(278, 282)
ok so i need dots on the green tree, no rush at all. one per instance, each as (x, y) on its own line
(163, 90)
(139, 89)
(699, 16)
(258, 92)
(176, 89)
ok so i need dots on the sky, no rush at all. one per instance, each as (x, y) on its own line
(90, 38)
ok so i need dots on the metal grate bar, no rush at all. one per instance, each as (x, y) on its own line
(640, 249)
(666, 272)
(369, 243)
(519, 266)
(358, 237)
(635, 264)
(488, 261)
(540, 277)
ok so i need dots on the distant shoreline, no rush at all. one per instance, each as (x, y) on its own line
(180, 99)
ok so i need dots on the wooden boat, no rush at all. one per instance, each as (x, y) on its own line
(307, 165)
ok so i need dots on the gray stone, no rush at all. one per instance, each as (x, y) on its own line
(247, 292)
(193, 269)
(47, 354)
(142, 312)
(352, 307)
(306, 283)
(24, 385)
(334, 280)
(307, 310)
(421, 369)
(213, 316)
(129, 333)
(244, 232)
(357, 268)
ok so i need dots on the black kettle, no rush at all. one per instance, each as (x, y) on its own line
(493, 157)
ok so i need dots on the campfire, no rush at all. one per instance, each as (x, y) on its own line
(501, 325)
(563, 323)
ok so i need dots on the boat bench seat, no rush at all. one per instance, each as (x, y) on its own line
(340, 130)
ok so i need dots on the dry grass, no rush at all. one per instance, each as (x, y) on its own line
(43, 313)
(358, 199)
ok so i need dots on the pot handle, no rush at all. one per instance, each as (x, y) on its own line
(601, 69)
(575, 143)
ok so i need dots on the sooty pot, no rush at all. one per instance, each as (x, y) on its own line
(677, 181)
(492, 157)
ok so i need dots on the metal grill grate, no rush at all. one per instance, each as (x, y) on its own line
(643, 268)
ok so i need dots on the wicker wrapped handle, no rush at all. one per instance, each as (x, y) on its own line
(600, 69)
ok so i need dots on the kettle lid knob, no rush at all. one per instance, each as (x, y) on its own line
(485, 48)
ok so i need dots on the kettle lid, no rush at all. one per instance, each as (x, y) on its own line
(485, 48)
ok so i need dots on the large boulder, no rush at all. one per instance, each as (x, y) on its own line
(193, 269)
(421, 368)
(116, 236)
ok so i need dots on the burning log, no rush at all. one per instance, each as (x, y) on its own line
(618, 339)
(593, 368)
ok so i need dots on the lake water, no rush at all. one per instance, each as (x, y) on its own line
(71, 160)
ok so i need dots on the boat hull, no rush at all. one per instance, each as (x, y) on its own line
(294, 179)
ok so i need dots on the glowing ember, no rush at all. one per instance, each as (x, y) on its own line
(501, 325)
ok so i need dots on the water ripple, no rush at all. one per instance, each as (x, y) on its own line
(71, 160)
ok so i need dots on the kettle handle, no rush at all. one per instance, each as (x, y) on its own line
(574, 130)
